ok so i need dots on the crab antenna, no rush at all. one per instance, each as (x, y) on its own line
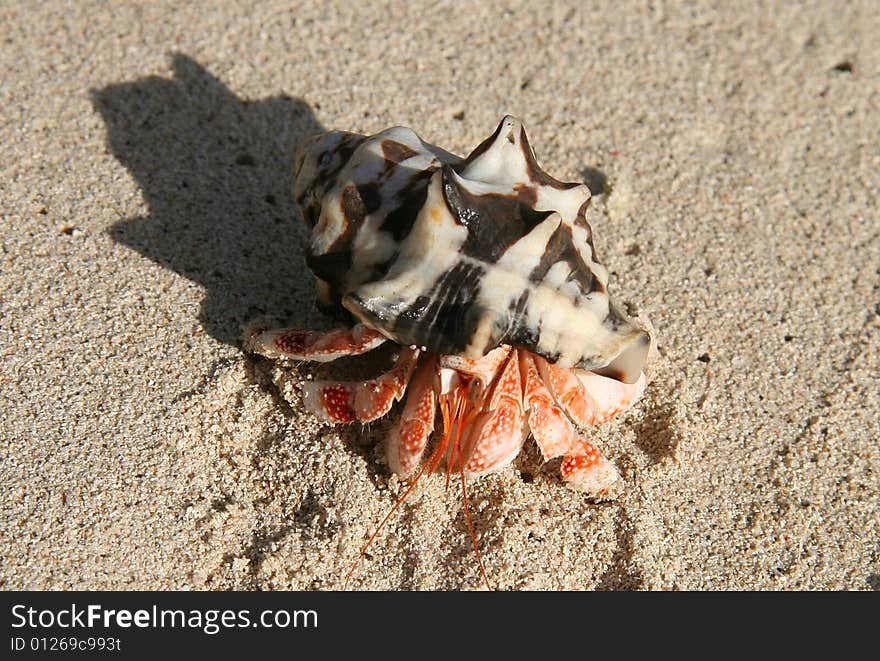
(429, 467)
(440, 449)
(457, 416)
(469, 409)
(455, 448)
(470, 525)
(382, 525)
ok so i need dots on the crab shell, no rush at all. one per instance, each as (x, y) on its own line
(461, 255)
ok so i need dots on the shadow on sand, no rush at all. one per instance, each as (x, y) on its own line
(216, 172)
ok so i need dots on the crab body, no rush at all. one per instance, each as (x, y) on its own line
(483, 270)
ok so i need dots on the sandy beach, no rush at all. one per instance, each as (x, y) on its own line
(147, 215)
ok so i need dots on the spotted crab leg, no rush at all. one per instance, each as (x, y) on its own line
(588, 398)
(497, 433)
(309, 345)
(363, 401)
(409, 437)
(584, 467)
(551, 428)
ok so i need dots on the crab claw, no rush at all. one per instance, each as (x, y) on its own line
(409, 437)
(365, 401)
(498, 432)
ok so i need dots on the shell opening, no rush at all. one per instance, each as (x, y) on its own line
(627, 365)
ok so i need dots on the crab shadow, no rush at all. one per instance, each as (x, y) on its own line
(656, 432)
(622, 574)
(216, 172)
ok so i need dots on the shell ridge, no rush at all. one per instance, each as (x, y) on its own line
(461, 255)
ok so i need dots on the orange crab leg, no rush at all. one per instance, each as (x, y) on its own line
(584, 467)
(497, 432)
(409, 437)
(551, 428)
(588, 398)
(364, 401)
(314, 346)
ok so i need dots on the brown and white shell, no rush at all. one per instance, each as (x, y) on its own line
(461, 255)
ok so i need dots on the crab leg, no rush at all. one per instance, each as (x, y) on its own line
(584, 467)
(588, 398)
(316, 346)
(551, 428)
(409, 437)
(498, 431)
(364, 401)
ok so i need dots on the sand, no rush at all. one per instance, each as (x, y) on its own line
(146, 209)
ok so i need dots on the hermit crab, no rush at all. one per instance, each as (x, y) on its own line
(483, 270)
